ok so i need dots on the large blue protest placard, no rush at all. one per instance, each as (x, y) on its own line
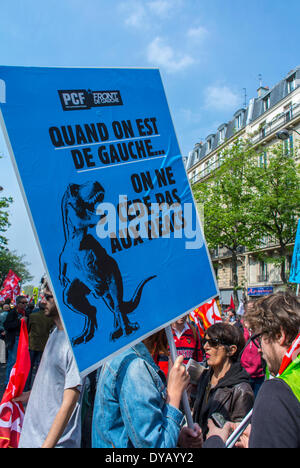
(295, 267)
(102, 175)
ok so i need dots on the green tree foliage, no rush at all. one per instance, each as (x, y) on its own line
(277, 206)
(4, 222)
(228, 199)
(244, 201)
(13, 261)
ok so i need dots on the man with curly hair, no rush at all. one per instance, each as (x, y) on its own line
(275, 423)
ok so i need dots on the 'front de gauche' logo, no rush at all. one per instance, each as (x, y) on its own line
(79, 99)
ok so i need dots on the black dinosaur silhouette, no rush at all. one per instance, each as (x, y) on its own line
(86, 267)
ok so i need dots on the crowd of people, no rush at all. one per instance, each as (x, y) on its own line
(38, 326)
(242, 364)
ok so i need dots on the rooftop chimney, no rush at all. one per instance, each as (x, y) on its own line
(262, 90)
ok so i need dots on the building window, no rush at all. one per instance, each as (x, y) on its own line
(222, 134)
(214, 162)
(263, 159)
(207, 164)
(263, 272)
(209, 145)
(291, 84)
(262, 128)
(288, 111)
(288, 146)
(238, 121)
(266, 103)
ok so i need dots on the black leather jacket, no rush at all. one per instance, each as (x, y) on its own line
(232, 397)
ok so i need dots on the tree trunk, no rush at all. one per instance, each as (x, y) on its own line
(235, 279)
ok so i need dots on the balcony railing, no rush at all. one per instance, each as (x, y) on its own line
(206, 172)
(225, 253)
(276, 123)
(270, 128)
(267, 242)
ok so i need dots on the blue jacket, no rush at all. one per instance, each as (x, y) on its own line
(130, 407)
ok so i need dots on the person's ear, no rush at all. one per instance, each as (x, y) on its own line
(232, 350)
(281, 337)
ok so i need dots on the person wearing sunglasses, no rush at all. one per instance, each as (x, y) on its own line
(275, 421)
(276, 414)
(53, 412)
(223, 388)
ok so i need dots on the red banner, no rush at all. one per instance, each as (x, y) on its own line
(195, 318)
(12, 413)
(11, 287)
(208, 314)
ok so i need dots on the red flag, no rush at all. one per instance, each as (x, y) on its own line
(232, 303)
(195, 318)
(11, 287)
(12, 413)
(292, 353)
(208, 314)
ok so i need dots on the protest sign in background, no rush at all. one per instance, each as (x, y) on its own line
(295, 267)
(96, 154)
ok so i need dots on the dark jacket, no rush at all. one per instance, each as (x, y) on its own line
(276, 417)
(232, 397)
(39, 327)
(275, 421)
(12, 326)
